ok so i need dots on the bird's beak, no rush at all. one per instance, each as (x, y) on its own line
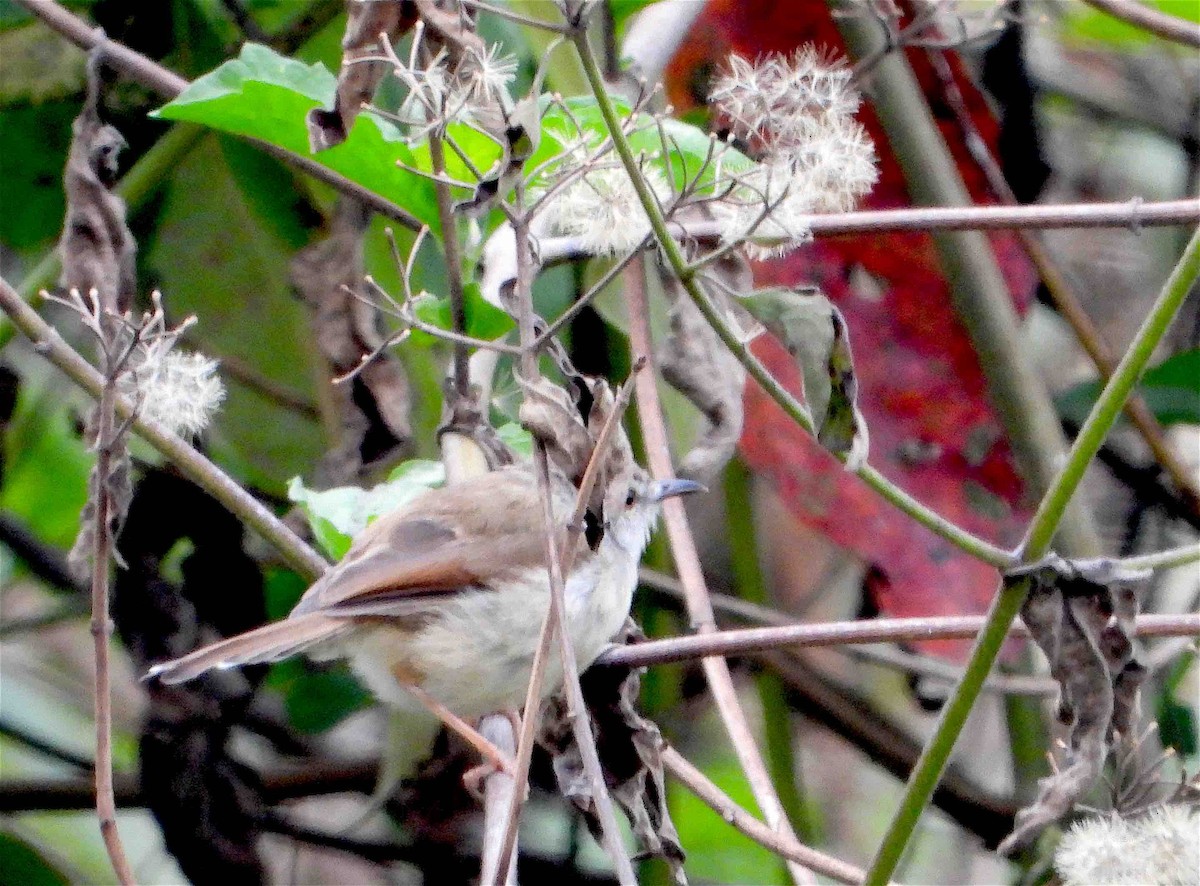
(668, 488)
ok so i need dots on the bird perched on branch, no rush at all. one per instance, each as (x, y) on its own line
(440, 603)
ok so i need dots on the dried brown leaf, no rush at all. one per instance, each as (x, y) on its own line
(696, 362)
(362, 66)
(374, 406)
(98, 251)
(1084, 627)
(630, 748)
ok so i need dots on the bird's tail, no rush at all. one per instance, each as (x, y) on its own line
(269, 643)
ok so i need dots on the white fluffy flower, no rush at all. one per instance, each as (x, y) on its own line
(1161, 846)
(176, 388)
(602, 209)
(797, 114)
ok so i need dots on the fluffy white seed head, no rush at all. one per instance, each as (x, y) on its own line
(602, 209)
(176, 388)
(797, 114)
(1160, 846)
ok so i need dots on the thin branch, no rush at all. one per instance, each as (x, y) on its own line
(191, 463)
(1010, 596)
(167, 83)
(1161, 24)
(1133, 214)
(109, 449)
(843, 633)
(687, 559)
(1170, 559)
(580, 721)
(781, 843)
(454, 278)
(546, 636)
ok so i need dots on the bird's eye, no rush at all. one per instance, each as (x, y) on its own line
(630, 498)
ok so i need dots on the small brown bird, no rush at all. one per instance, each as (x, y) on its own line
(443, 599)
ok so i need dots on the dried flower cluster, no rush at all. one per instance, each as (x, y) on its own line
(1161, 846)
(179, 389)
(797, 115)
(602, 209)
(468, 91)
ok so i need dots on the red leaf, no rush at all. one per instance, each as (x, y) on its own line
(922, 391)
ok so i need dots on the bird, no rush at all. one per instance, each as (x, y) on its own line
(439, 604)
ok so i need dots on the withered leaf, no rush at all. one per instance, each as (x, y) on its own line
(696, 362)
(1085, 629)
(815, 333)
(361, 72)
(630, 749)
(374, 406)
(568, 425)
(98, 251)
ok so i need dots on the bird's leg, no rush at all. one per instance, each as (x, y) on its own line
(474, 778)
(487, 750)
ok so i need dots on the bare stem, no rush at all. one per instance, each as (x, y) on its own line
(782, 843)
(454, 279)
(556, 616)
(107, 448)
(1010, 596)
(745, 641)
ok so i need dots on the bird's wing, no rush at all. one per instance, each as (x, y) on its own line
(449, 539)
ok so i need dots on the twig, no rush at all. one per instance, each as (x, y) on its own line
(687, 560)
(191, 463)
(1062, 292)
(1041, 533)
(1161, 24)
(1133, 214)
(782, 843)
(109, 447)
(580, 721)
(166, 82)
(454, 279)
(546, 635)
(842, 633)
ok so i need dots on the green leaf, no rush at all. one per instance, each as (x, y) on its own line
(21, 863)
(1171, 390)
(46, 465)
(484, 320)
(222, 253)
(282, 590)
(815, 333)
(317, 696)
(517, 439)
(1177, 726)
(337, 515)
(264, 95)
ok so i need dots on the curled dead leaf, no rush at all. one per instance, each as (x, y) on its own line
(1081, 616)
(363, 66)
(98, 251)
(374, 405)
(630, 748)
(696, 363)
(815, 333)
